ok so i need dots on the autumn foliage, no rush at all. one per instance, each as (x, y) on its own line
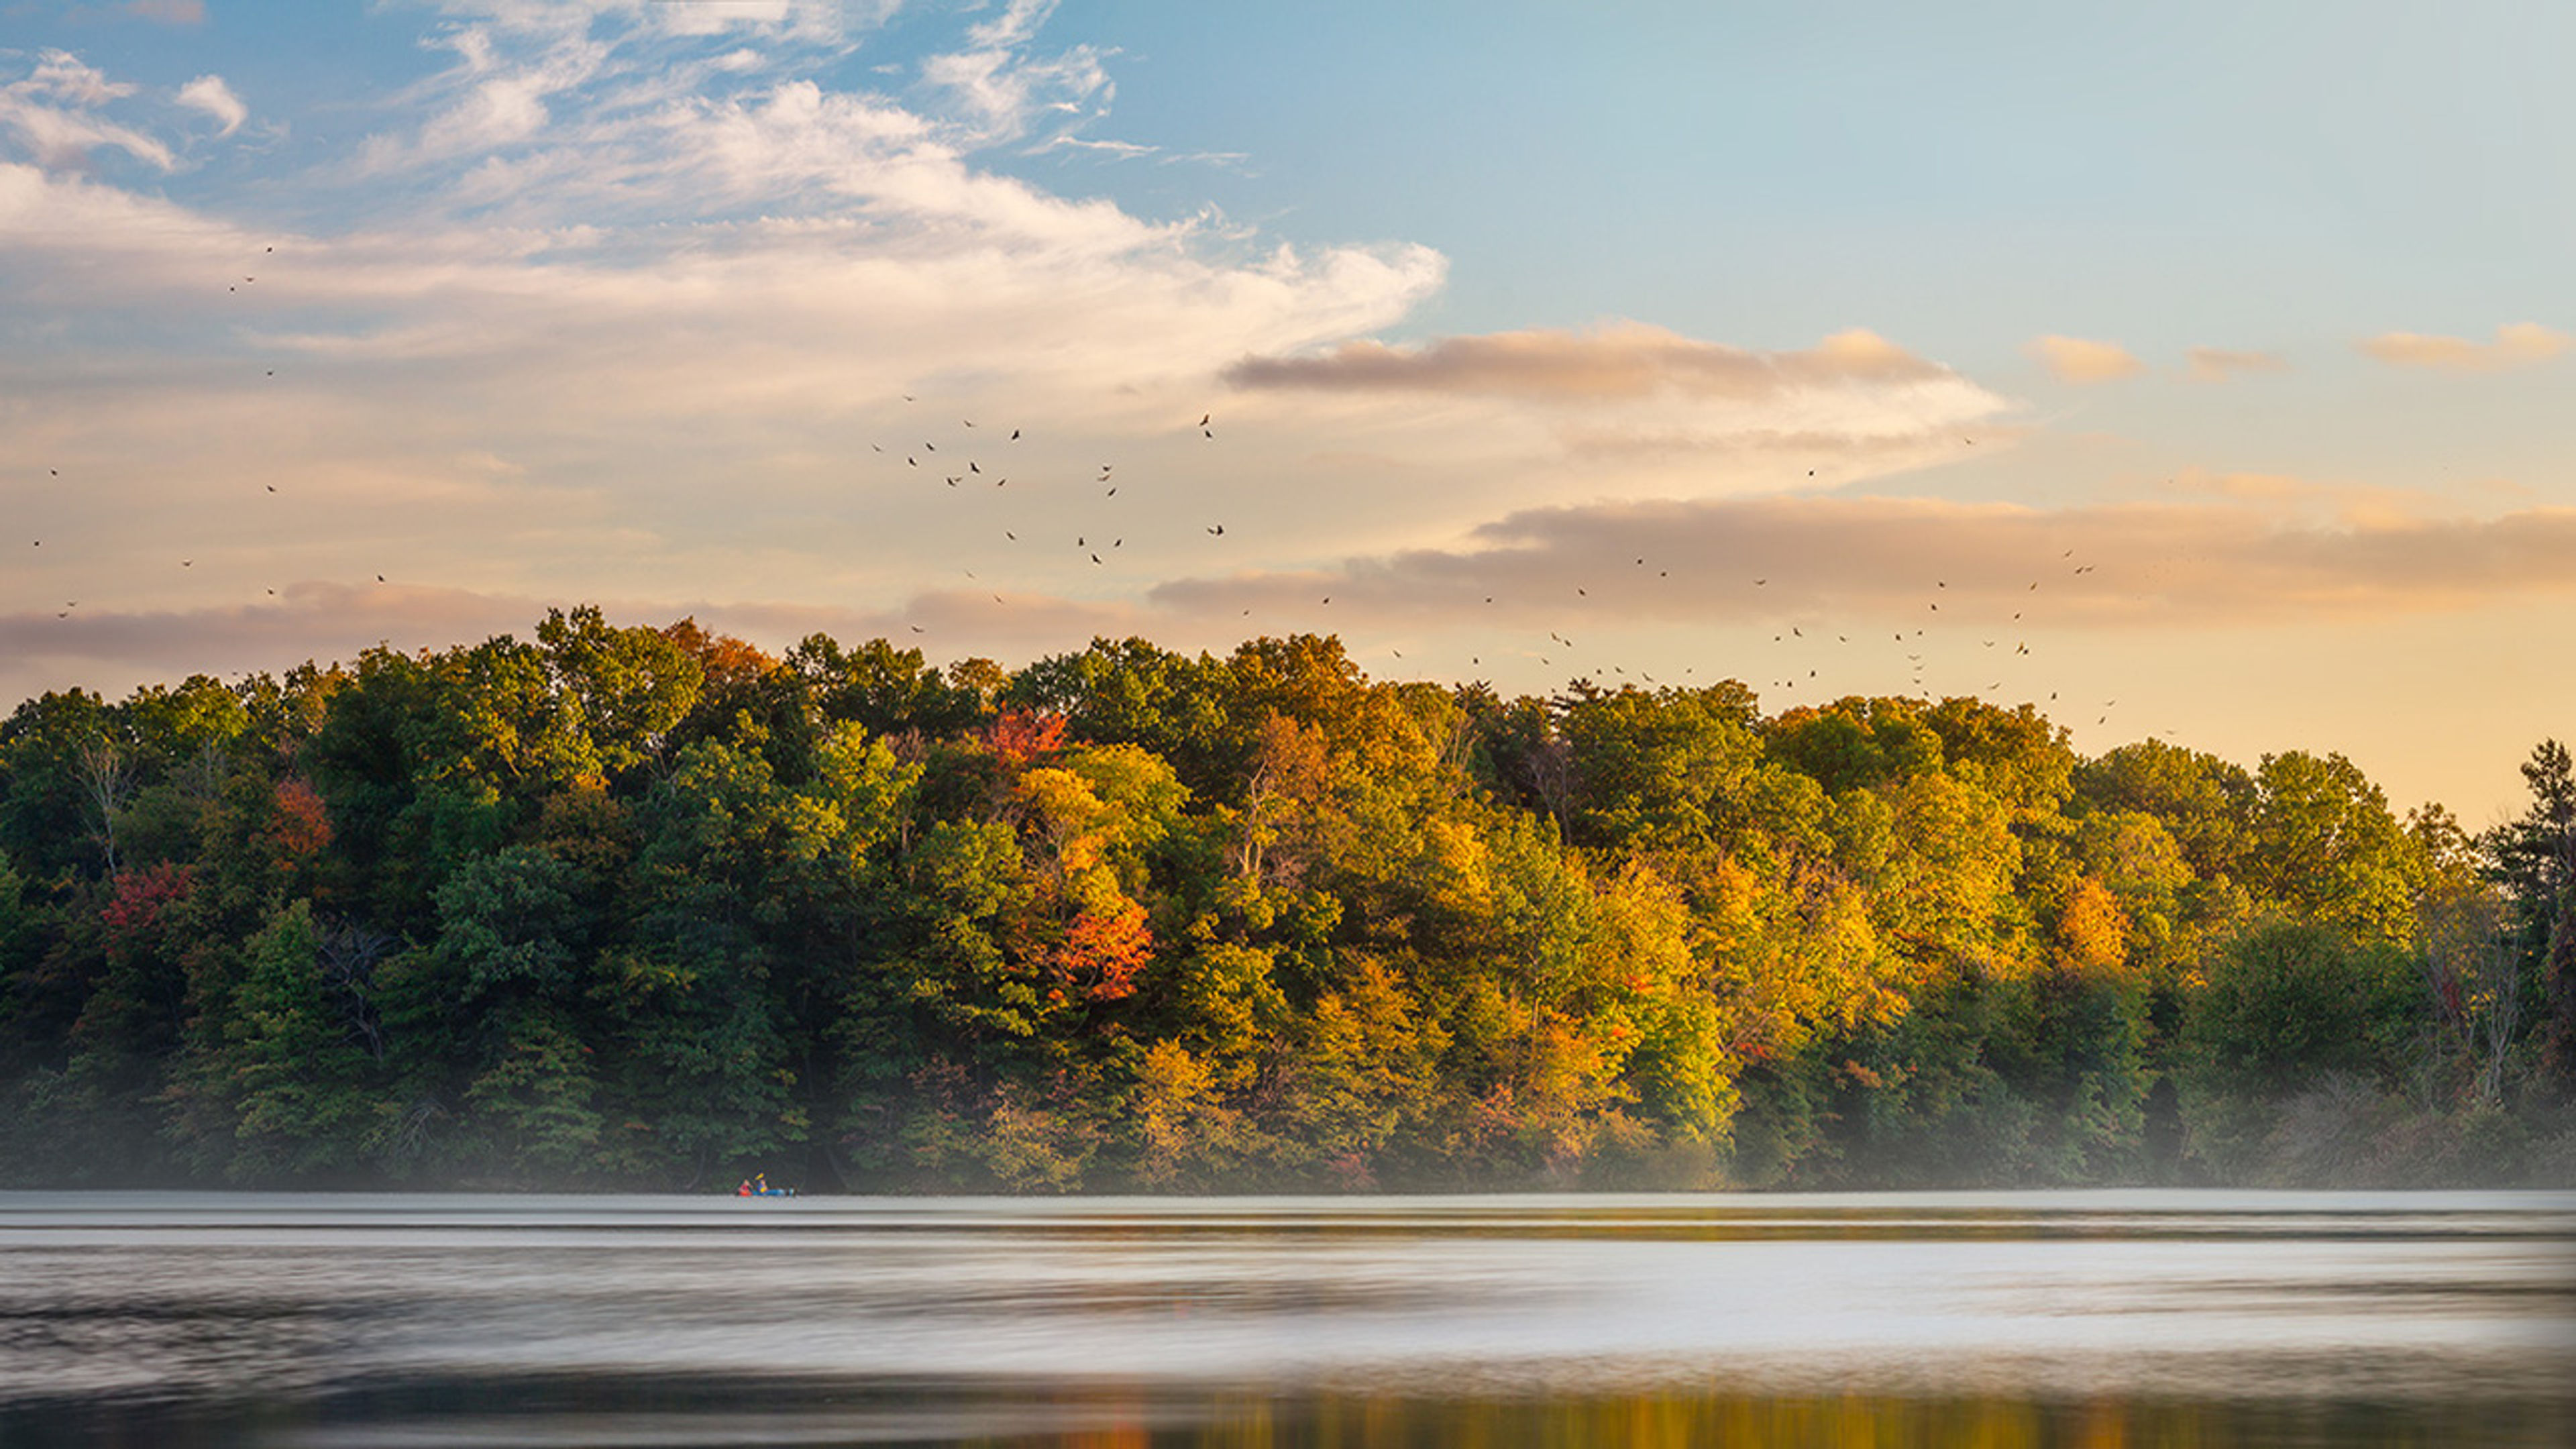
(654, 907)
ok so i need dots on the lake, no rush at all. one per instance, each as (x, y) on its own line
(1995, 1319)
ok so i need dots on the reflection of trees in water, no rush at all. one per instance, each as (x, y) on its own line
(1100, 1416)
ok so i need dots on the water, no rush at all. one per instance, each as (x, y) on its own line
(2078, 1319)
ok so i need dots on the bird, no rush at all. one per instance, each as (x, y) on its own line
(1757, 583)
(1203, 418)
(917, 629)
(1217, 531)
(1015, 435)
(380, 578)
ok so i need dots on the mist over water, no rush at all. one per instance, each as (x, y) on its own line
(2007, 1318)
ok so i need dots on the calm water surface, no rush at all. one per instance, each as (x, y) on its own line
(2079, 1319)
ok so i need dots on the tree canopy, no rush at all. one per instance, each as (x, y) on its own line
(650, 907)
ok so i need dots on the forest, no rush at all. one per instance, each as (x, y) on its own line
(641, 908)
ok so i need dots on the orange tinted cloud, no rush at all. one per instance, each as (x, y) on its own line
(1625, 360)
(2517, 344)
(2179, 564)
(2217, 364)
(2079, 360)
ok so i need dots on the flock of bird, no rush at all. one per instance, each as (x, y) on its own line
(1086, 547)
(960, 466)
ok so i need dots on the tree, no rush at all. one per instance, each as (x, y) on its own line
(2328, 850)
(2535, 860)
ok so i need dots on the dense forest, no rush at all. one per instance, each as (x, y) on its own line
(628, 907)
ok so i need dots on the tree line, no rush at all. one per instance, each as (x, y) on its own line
(650, 908)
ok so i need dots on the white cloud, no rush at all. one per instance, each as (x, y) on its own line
(65, 78)
(53, 115)
(209, 94)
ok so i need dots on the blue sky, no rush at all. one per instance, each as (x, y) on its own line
(2259, 309)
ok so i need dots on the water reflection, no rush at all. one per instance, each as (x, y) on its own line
(1998, 1319)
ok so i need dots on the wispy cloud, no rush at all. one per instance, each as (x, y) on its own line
(209, 94)
(1926, 562)
(1006, 90)
(2516, 344)
(2082, 361)
(169, 12)
(1625, 360)
(53, 113)
(2218, 364)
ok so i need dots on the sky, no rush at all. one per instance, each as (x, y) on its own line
(2195, 371)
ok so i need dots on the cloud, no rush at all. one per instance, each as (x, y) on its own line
(169, 12)
(1623, 360)
(1005, 91)
(209, 94)
(112, 651)
(53, 114)
(2076, 360)
(2517, 344)
(2218, 364)
(1924, 563)
(600, 307)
